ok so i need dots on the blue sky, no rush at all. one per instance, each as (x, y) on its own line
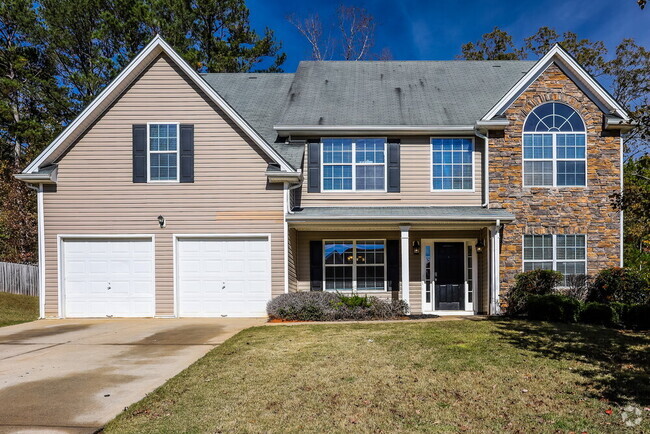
(435, 30)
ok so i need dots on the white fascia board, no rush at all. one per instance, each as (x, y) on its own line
(373, 129)
(557, 53)
(156, 46)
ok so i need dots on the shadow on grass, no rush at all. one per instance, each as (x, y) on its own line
(614, 362)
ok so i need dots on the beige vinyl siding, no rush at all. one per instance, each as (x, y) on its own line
(415, 188)
(95, 193)
(292, 238)
(415, 261)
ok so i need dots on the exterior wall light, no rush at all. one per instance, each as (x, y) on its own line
(416, 247)
(480, 246)
(161, 221)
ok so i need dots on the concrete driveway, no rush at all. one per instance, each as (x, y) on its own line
(76, 375)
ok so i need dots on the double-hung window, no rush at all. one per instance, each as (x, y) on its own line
(554, 142)
(354, 164)
(564, 253)
(452, 163)
(355, 265)
(163, 146)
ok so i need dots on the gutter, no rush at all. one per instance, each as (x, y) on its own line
(441, 219)
(44, 177)
(376, 129)
(275, 176)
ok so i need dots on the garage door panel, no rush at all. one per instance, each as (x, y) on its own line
(218, 277)
(108, 277)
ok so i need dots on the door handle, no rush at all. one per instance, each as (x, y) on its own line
(109, 285)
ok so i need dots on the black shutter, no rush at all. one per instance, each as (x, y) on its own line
(313, 167)
(316, 265)
(393, 166)
(392, 256)
(139, 153)
(186, 164)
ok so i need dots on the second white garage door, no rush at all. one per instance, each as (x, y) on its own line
(223, 276)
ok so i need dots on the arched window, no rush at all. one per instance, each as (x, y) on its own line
(554, 147)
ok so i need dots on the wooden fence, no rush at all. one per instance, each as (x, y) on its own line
(18, 278)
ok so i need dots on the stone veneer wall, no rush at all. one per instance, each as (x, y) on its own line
(567, 210)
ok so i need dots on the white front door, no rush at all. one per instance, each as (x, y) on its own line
(223, 276)
(449, 276)
(108, 277)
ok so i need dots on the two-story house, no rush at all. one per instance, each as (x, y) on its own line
(176, 194)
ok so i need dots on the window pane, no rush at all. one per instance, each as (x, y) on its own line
(570, 247)
(163, 137)
(370, 278)
(370, 252)
(369, 151)
(338, 278)
(538, 173)
(571, 173)
(452, 163)
(338, 177)
(370, 177)
(528, 266)
(538, 247)
(553, 117)
(339, 252)
(163, 167)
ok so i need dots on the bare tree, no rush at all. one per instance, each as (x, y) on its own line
(356, 29)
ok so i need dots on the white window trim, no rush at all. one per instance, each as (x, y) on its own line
(354, 165)
(554, 158)
(354, 266)
(178, 153)
(555, 260)
(473, 163)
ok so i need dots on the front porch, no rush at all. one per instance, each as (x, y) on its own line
(450, 268)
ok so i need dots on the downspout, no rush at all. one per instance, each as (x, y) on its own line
(41, 247)
(486, 174)
(289, 190)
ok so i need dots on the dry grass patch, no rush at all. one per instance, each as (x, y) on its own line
(15, 308)
(478, 376)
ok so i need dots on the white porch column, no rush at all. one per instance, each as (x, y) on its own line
(405, 251)
(495, 258)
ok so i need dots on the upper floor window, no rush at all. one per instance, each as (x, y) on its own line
(354, 164)
(163, 152)
(554, 147)
(452, 163)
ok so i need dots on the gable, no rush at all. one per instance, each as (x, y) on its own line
(91, 113)
(579, 76)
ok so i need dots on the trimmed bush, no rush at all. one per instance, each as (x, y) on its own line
(553, 307)
(599, 314)
(621, 285)
(637, 316)
(535, 282)
(328, 306)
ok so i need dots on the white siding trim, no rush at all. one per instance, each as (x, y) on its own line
(41, 252)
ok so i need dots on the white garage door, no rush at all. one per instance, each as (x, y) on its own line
(108, 277)
(223, 277)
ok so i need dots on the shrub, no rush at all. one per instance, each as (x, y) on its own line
(535, 282)
(599, 313)
(578, 286)
(637, 316)
(552, 307)
(621, 285)
(327, 306)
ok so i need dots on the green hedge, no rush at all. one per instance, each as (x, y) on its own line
(553, 307)
(599, 314)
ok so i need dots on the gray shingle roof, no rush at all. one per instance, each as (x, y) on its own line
(467, 213)
(381, 93)
(420, 93)
(260, 100)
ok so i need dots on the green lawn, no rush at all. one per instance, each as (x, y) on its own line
(469, 375)
(15, 309)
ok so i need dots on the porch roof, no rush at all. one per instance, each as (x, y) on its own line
(400, 213)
